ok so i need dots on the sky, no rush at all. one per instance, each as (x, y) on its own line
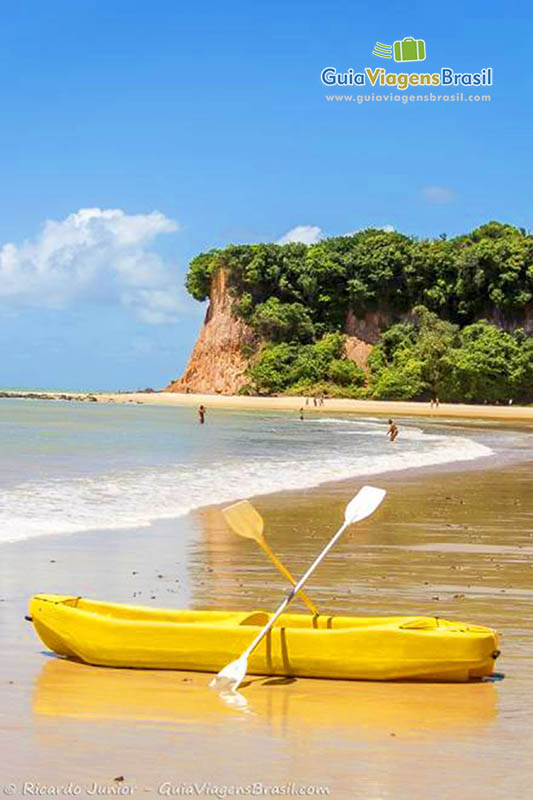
(136, 135)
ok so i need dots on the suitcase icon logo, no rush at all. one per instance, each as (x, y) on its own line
(409, 49)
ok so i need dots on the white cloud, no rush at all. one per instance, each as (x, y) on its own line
(311, 234)
(307, 234)
(439, 195)
(386, 228)
(93, 255)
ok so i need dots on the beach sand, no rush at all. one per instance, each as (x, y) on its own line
(452, 543)
(387, 408)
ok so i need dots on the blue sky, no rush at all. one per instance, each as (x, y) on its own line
(213, 115)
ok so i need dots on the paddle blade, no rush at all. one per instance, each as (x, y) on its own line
(365, 502)
(231, 676)
(244, 520)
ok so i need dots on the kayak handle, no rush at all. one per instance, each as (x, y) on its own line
(28, 618)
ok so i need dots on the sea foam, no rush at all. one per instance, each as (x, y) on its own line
(335, 449)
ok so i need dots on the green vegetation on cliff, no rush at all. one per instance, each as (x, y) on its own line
(322, 367)
(435, 294)
(431, 357)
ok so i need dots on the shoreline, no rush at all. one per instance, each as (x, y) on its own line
(338, 486)
(385, 408)
(436, 466)
(453, 540)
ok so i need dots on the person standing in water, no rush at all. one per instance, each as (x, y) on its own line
(201, 414)
(301, 413)
(392, 431)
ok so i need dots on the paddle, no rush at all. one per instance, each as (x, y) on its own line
(360, 507)
(245, 521)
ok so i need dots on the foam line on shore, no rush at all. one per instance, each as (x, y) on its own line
(132, 498)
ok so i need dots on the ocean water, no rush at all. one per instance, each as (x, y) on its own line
(67, 467)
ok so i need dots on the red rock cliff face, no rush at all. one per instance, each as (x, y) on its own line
(217, 364)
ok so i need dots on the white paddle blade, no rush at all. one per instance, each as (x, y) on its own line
(365, 502)
(231, 676)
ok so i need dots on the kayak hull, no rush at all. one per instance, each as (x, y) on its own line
(348, 648)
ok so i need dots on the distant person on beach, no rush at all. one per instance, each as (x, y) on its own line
(301, 413)
(201, 414)
(392, 431)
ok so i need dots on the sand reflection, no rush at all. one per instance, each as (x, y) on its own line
(358, 709)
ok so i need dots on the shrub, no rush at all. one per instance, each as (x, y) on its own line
(345, 373)
(282, 322)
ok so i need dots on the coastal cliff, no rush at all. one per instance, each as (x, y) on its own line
(374, 315)
(217, 363)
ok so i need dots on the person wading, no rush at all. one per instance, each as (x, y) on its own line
(201, 414)
(392, 431)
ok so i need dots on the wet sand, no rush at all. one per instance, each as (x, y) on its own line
(454, 544)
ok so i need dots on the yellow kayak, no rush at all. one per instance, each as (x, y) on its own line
(353, 648)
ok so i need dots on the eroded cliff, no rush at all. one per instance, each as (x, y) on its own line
(217, 363)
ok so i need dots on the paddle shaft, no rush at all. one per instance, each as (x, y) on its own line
(284, 571)
(294, 591)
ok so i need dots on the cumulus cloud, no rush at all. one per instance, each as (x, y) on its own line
(386, 228)
(307, 234)
(439, 195)
(93, 255)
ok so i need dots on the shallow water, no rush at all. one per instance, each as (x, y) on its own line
(69, 467)
(453, 544)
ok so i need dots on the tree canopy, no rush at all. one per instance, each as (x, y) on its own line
(460, 279)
